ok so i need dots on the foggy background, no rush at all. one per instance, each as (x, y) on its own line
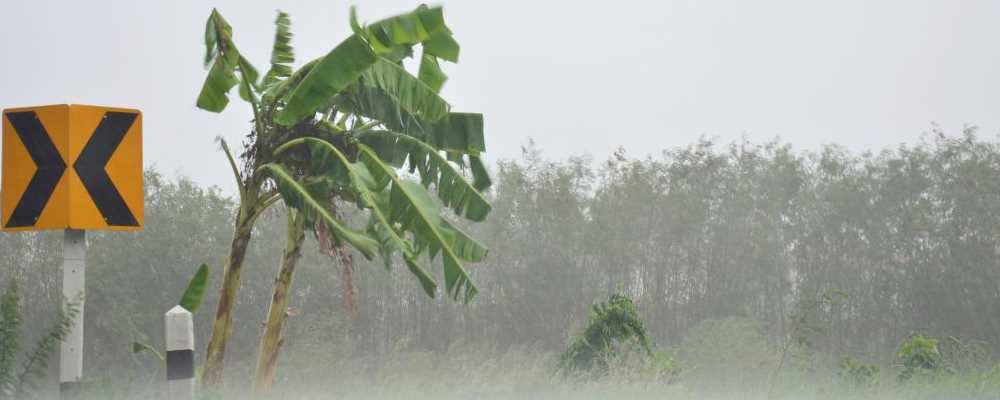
(758, 265)
(578, 77)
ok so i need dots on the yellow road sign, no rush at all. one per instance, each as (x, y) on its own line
(71, 166)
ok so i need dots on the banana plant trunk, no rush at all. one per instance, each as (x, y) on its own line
(271, 341)
(212, 373)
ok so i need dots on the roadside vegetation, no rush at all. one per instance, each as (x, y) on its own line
(350, 129)
(711, 271)
(737, 258)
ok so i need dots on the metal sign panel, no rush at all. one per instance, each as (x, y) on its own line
(71, 166)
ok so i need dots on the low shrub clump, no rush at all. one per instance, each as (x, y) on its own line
(612, 325)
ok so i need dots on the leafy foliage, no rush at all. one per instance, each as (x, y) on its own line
(718, 239)
(858, 374)
(10, 323)
(297, 196)
(332, 74)
(452, 188)
(190, 300)
(362, 81)
(411, 206)
(405, 91)
(919, 356)
(361, 86)
(282, 53)
(613, 322)
(142, 347)
(36, 362)
(195, 291)
(228, 67)
(14, 383)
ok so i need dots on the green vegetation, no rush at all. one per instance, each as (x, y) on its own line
(762, 272)
(17, 380)
(190, 300)
(732, 254)
(614, 322)
(857, 374)
(338, 132)
(195, 291)
(919, 357)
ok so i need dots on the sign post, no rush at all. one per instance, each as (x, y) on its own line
(74, 168)
(73, 272)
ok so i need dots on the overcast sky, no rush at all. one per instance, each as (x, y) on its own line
(577, 76)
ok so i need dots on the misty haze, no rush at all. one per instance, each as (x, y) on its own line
(505, 200)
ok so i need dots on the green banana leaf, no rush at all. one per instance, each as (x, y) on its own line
(282, 53)
(341, 67)
(195, 291)
(442, 45)
(405, 90)
(394, 38)
(452, 188)
(480, 176)
(406, 29)
(326, 159)
(411, 206)
(296, 195)
(459, 133)
(228, 67)
(430, 72)
(140, 347)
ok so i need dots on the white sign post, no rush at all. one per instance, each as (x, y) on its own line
(71, 348)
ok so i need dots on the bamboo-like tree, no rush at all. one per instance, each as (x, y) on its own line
(339, 130)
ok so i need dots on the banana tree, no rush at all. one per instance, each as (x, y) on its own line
(351, 127)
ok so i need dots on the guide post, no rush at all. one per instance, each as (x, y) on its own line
(73, 275)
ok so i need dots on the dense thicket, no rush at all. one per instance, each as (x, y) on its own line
(911, 235)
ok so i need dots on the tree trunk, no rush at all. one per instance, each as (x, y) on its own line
(271, 340)
(211, 377)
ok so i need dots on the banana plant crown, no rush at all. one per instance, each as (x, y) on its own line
(354, 126)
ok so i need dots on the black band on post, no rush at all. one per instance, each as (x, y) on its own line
(180, 364)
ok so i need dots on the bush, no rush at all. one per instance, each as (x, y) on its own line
(613, 326)
(919, 356)
(857, 374)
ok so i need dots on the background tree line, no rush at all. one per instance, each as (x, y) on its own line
(910, 235)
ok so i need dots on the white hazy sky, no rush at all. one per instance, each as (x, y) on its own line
(577, 76)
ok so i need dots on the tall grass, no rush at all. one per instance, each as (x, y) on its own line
(465, 374)
(527, 374)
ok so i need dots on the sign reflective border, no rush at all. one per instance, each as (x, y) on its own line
(71, 166)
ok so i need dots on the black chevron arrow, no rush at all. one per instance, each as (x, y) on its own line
(94, 158)
(48, 161)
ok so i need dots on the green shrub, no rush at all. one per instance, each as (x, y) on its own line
(612, 323)
(919, 356)
(857, 374)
